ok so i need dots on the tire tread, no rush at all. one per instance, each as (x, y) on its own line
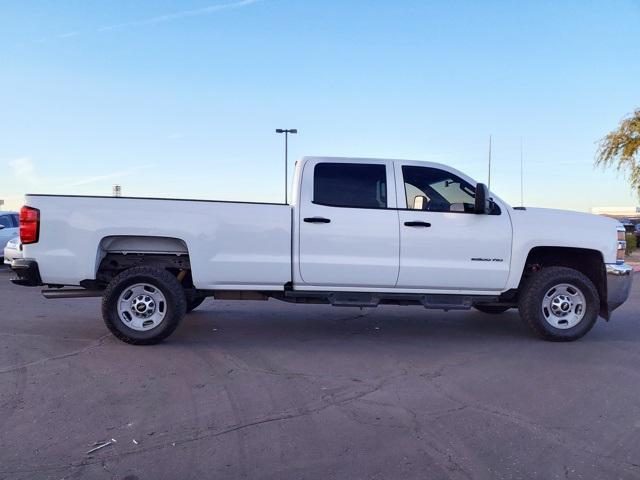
(530, 310)
(168, 282)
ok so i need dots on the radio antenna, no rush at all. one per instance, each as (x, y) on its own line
(489, 181)
(521, 175)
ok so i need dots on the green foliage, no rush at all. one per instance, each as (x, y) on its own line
(621, 149)
(631, 243)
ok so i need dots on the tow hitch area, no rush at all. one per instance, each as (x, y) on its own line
(27, 273)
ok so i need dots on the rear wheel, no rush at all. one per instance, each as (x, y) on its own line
(143, 305)
(559, 304)
(491, 308)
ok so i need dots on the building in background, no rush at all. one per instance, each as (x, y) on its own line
(632, 213)
(628, 216)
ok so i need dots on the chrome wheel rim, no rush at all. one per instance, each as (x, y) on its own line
(142, 307)
(564, 306)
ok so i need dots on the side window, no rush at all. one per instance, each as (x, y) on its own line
(5, 221)
(437, 190)
(350, 185)
(16, 220)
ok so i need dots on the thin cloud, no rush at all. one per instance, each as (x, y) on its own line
(178, 15)
(68, 34)
(109, 176)
(157, 19)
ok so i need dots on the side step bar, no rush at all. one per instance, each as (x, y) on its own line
(338, 299)
(70, 293)
(365, 299)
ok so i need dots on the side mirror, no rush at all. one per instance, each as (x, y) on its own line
(1, 227)
(483, 204)
(419, 202)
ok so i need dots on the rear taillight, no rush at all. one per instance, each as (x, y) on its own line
(29, 225)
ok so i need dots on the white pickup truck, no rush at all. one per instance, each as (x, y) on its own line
(359, 232)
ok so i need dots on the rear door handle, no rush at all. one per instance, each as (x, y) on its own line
(417, 224)
(317, 220)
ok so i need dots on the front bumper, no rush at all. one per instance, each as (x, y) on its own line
(619, 280)
(27, 272)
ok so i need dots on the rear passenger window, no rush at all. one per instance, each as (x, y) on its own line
(5, 221)
(350, 185)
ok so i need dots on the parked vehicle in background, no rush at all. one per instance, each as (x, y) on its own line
(637, 234)
(628, 225)
(8, 227)
(360, 232)
(13, 250)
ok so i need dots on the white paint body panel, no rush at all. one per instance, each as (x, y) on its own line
(248, 246)
(440, 257)
(536, 227)
(229, 244)
(365, 241)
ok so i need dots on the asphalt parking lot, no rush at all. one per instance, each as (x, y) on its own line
(274, 391)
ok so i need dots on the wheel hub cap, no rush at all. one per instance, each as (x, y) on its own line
(142, 306)
(563, 306)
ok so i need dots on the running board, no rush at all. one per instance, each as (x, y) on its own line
(71, 293)
(373, 299)
(353, 299)
(447, 302)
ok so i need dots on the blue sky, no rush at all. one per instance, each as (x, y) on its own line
(180, 98)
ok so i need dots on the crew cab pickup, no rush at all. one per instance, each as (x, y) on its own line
(359, 232)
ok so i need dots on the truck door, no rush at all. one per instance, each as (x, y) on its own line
(348, 224)
(444, 245)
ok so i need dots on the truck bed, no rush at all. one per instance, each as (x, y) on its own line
(231, 245)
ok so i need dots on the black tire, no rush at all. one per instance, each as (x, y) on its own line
(160, 279)
(494, 309)
(193, 301)
(532, 295)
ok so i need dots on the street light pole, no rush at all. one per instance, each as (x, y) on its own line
(286, 132)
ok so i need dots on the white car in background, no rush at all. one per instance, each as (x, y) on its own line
(9, 223)
(13, 250)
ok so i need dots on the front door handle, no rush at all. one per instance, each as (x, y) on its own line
(417, 224)
(317, 220)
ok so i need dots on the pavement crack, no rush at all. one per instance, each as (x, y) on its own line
(527, 424)
(97, 343)
(195, 438)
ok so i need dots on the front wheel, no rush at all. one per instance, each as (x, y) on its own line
(559, 304)
(143, 305)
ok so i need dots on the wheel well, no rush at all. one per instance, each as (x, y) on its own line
(142, 244)
(119, 253)
(588, 262)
